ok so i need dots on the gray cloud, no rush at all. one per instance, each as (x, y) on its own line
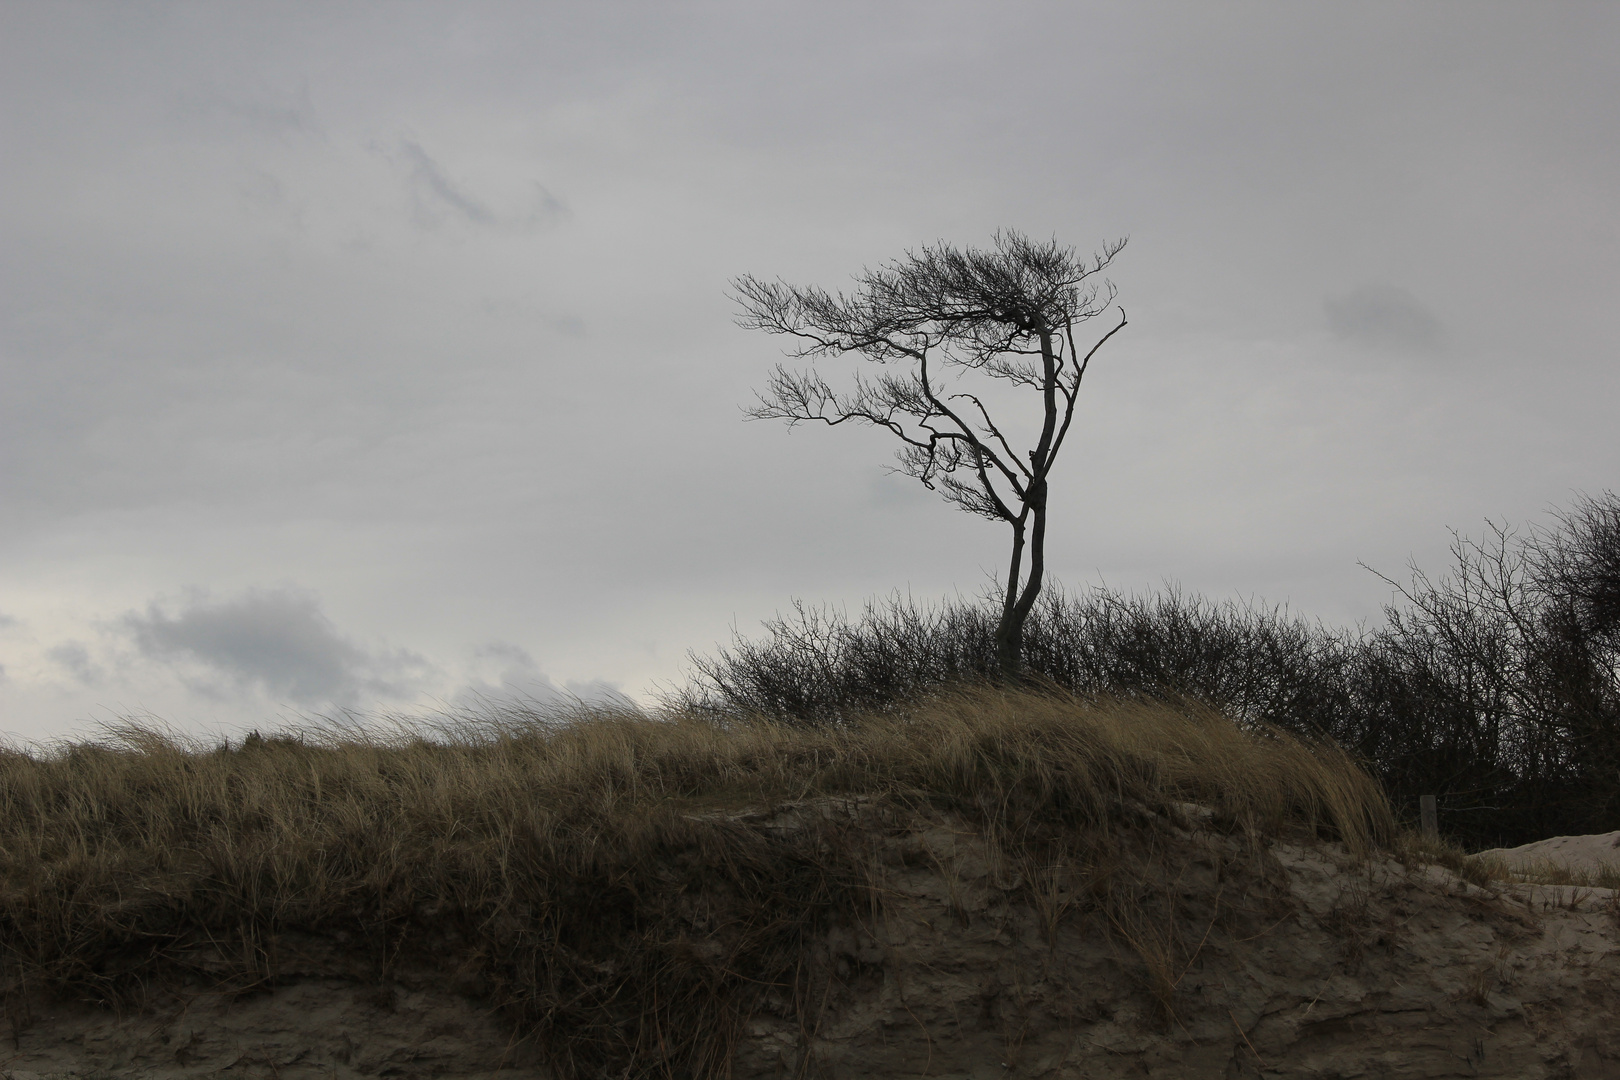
(546, 208)
(1385, 317)
(245, 330)
(569, 325)
(517, 677)
(267, 113)
(436, 197)
(7, 622)
(434, 192)
(74, 657)
(279, 641)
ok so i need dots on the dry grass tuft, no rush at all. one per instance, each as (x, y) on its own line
(1487, 870)
(1549, 872)
(1413, 848)
(587, 872)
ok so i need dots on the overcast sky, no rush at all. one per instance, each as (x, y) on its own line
(370, 356)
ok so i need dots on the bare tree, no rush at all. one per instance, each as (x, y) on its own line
(930, 320)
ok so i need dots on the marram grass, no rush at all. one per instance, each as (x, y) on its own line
(550, 862)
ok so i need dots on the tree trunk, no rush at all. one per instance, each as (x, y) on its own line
(1010, 644)
(1010, 630)
(1016, 607)
(1018, 603)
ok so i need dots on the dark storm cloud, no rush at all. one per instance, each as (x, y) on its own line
(277, 640)
(1385, 317)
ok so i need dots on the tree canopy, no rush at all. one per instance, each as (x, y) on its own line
(1011, 314)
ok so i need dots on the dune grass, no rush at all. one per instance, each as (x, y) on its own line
(1548, 872)
(589, 872)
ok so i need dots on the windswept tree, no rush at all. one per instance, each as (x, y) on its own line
(953, 333)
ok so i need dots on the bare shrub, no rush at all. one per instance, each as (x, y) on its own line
(1494, 687)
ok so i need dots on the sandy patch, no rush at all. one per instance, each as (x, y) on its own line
(1588, 854)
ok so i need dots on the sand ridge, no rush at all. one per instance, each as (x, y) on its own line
(1216, 956)
(1589, 854)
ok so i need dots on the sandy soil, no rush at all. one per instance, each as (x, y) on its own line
(1214, 959)
(313, 1027)
(1579, 853)
(1294, 962)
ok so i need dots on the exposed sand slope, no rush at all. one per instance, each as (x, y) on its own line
(1291, 963)
(1578, 853)
(309, 1028)
(1212, 959)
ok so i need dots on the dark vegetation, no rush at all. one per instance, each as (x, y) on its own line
(1013, 317)
(629, 889)
(1494, 687)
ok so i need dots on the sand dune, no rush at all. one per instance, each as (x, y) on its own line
(1581, 854)
(1216, 956)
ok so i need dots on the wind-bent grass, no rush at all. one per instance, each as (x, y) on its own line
(551, 862)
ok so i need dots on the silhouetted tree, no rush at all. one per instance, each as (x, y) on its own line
(1500, 681)
(929, 320)
(1580, 562)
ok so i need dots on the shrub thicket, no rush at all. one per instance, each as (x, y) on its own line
(1495, 687)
